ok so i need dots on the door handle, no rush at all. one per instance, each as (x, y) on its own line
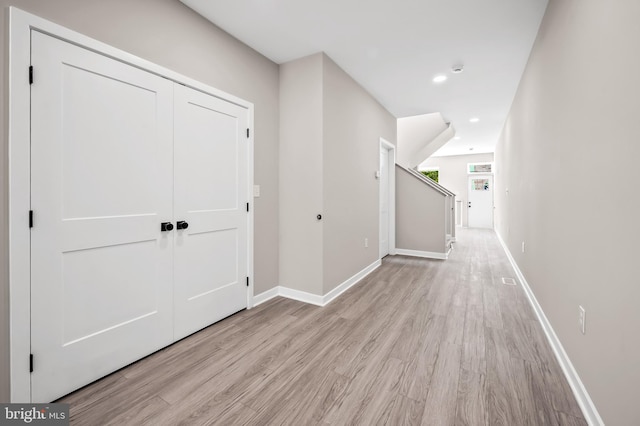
(181, 224)
(166, 226)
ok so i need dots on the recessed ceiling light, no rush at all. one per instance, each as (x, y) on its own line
(474, 120)
(439, 78)
(457, 138)
(456, 69)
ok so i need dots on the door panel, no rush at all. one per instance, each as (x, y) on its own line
(206, 276)
(107, 140)
(121, 278)
(211, 184)
(101, 269)
(207, 153)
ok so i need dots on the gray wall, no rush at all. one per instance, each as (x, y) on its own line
(568, 155)
(453, 175)
(330, 146)
(301, 174)
(354, 122)
(170, 34)
(420, 215)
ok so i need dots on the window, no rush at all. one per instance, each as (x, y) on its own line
(432, 173)
(479, 168)
(479, 184)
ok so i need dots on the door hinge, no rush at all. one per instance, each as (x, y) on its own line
(30, 218)
(247, 206)
(30, 74)
(247, 281)
(247, 133)
(30, 363)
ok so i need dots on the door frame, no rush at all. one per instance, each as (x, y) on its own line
(481, 175)
(19, 170)
(384, 144)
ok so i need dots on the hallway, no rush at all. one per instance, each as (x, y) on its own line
(416, 342)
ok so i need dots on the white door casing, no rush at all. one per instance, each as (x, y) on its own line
(480, 201)
(101, 269)
(384, 202)
(387, 198)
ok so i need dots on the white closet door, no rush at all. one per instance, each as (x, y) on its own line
(210, 166)
(101, 290)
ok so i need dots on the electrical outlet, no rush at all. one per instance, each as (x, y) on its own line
(523, 246)
(582, 319)
(366, 242)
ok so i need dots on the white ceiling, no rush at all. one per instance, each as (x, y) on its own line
(395, 48)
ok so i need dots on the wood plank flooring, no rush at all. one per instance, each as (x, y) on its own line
(417, 342)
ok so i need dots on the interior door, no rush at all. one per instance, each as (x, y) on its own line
(384, 202)
(101, 290)
(480, 204)
(211, 187)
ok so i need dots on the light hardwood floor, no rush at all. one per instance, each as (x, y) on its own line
(416, 342)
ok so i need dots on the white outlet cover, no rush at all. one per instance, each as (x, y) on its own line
(256, 191)
(582, 319)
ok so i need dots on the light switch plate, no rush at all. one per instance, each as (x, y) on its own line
(256, 191)
(582, 319)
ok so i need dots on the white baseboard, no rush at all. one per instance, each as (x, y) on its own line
(315, 299)
(350, 282)
(267, 295)
(580, 392)
(301, 296)
(425, 254)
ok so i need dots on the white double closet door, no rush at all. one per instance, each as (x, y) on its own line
(115, 152)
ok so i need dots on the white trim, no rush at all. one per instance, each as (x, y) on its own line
(314, 299)
(425, 254)
(587, 406)
(265, 296)
(301, 296)
(250, 216)
(329, 297)
(20, 26)
(19, 205)
(392, 196)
